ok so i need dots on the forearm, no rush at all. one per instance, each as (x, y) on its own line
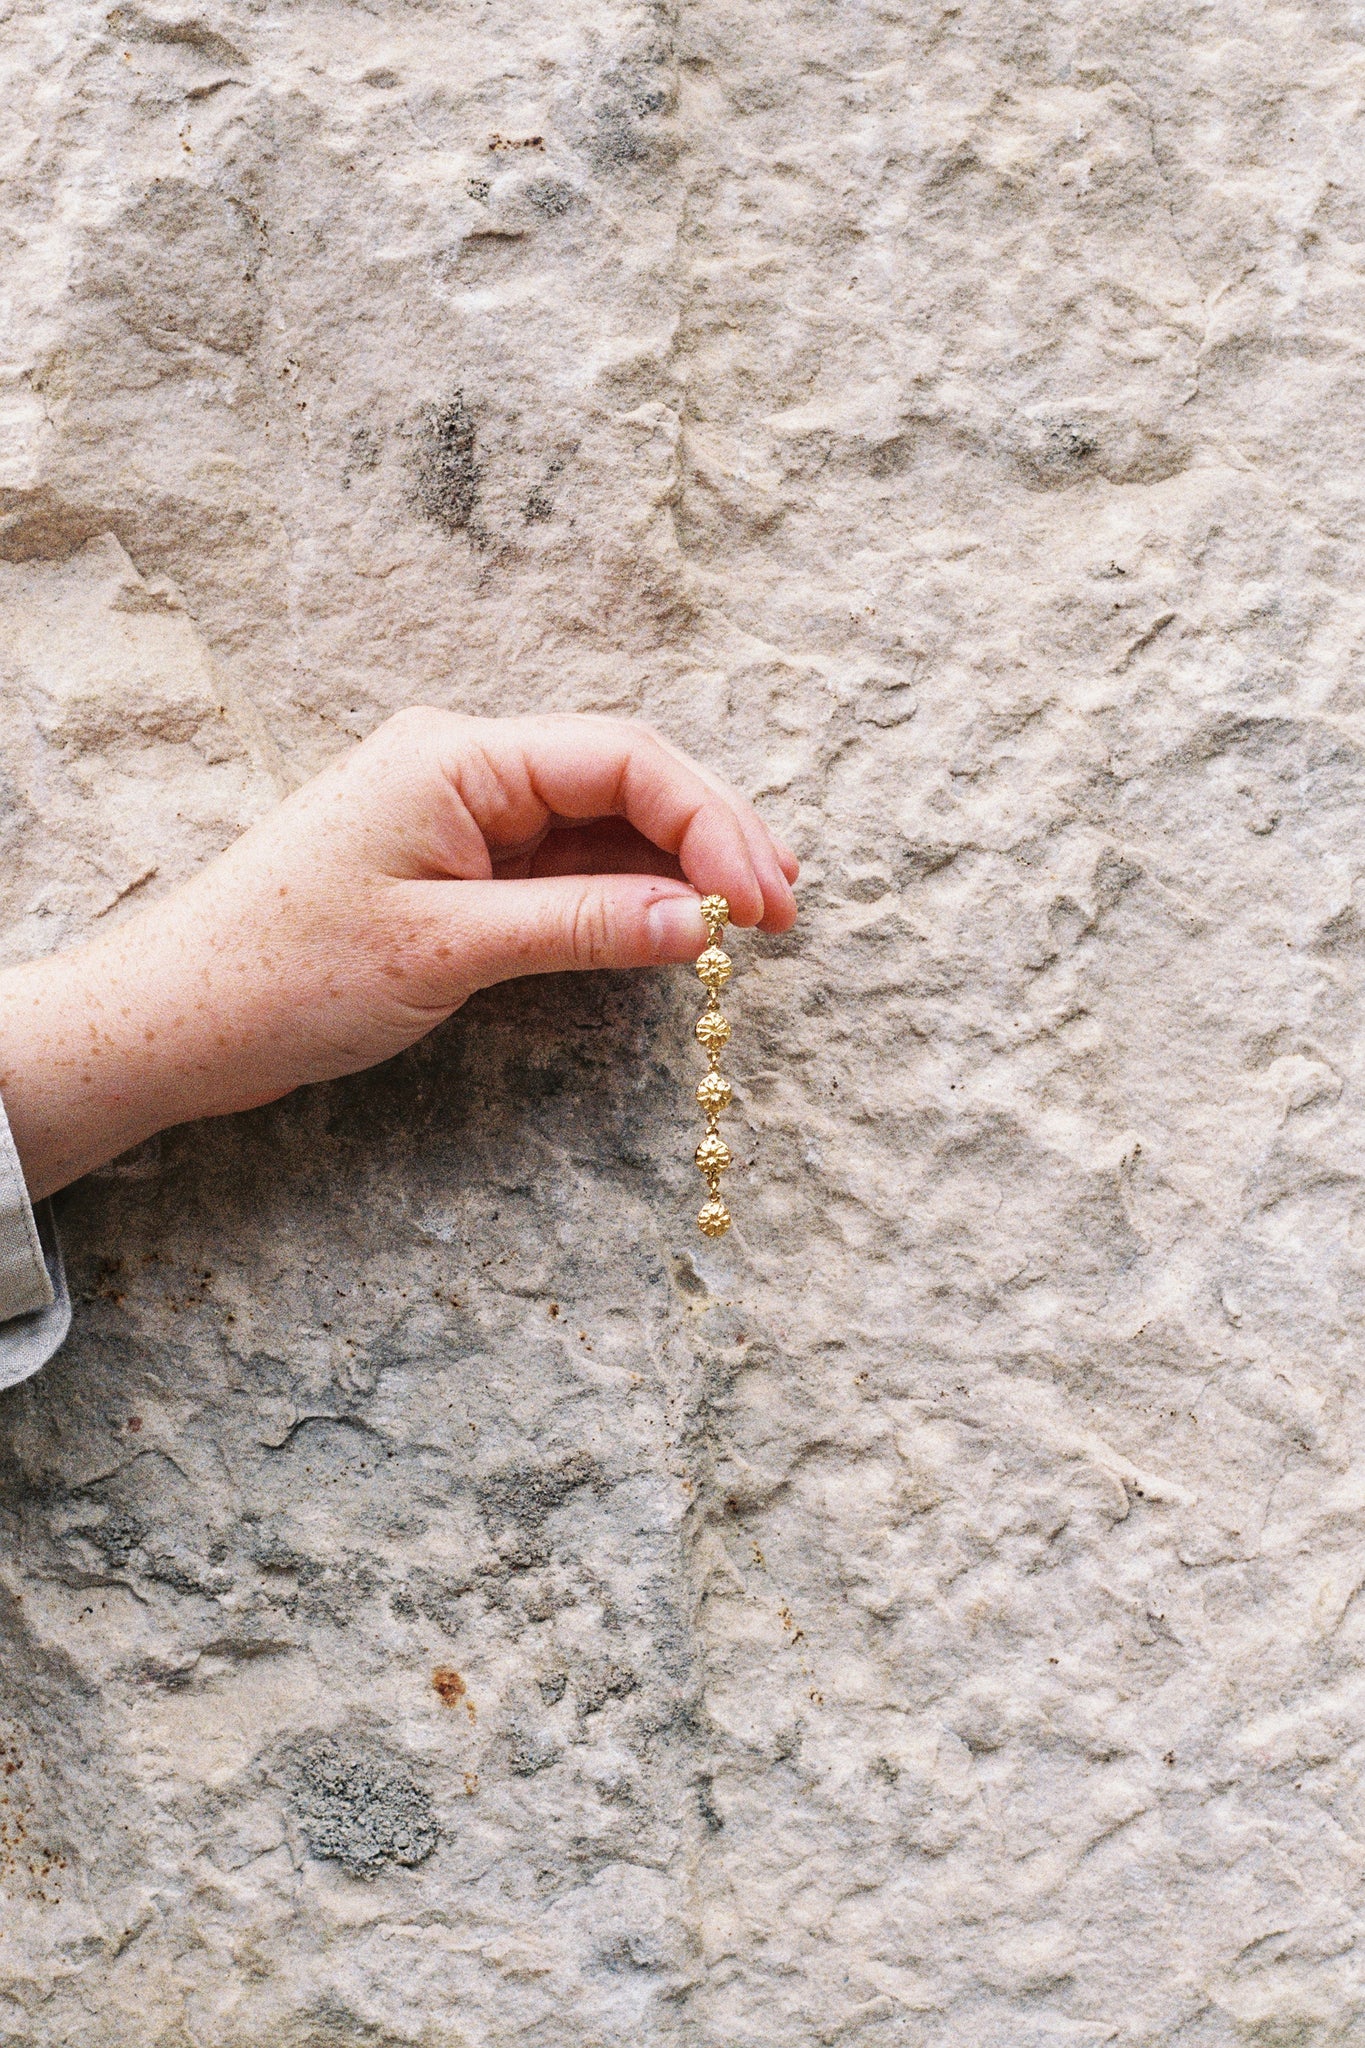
(224, 995)
(166, 1018)
(88, 1066)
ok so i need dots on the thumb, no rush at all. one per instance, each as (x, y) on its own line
(498, 930)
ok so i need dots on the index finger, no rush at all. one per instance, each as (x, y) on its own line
(515, 774)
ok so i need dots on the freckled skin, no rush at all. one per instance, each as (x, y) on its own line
(441, 855)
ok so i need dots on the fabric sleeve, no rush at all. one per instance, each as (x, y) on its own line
(35, 1309)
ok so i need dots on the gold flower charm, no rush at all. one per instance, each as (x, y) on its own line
(713, 1154)
(713, 1093)
(714, 969)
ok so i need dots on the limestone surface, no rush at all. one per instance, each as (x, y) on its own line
(444, 1603)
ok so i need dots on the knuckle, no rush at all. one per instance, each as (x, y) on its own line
(627, 731)
(638, 731)
(590, 930)
(416, 723)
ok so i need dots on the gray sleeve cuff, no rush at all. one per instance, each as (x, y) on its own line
(35, 1310)
(27, 1342)
(24, 1285)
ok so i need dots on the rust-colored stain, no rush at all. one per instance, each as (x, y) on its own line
(452, 1689)
(24, 1867)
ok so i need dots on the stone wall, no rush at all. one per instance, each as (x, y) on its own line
(444, 1603)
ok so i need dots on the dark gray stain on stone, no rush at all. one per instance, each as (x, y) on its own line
(526, 1494)
(358, 1808)
(540, 503)
(531, 1752)
(1067, 444)
(362, 455)
(445, 465)
(553, 196)
(603, 1682)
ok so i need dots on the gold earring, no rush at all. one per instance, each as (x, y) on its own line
(713, 1090)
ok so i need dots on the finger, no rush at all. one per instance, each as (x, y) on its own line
(519, 770)
(774, 864)
(479, 933)
(779, 899)
(779, 902)
(658, 782)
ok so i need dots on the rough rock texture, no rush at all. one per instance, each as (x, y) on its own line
(442, 1601)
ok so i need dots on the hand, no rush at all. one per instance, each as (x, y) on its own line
(441, 855)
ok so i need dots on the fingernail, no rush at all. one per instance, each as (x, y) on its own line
(675, 927)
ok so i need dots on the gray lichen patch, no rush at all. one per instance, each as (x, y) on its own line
(446, 472)
(356, 1807)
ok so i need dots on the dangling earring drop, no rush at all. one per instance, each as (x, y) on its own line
(713, 1090)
